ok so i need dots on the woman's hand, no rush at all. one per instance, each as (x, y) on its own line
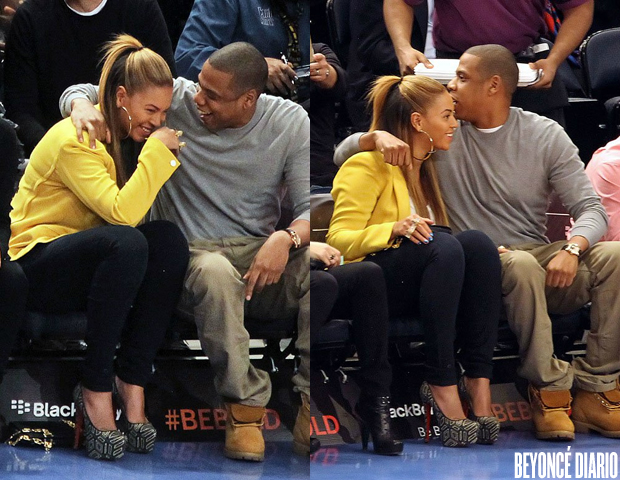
(330, 256)
(415, 228)
(322, 73)
(170, 138)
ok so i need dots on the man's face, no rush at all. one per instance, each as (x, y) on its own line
(468, 88)
(219, 106)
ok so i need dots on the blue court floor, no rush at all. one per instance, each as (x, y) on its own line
(434, 462)
(178, 461)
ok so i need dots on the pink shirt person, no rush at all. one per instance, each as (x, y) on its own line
(604, 173)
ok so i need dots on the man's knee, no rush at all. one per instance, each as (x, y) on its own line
(209, 271)
(520, 267)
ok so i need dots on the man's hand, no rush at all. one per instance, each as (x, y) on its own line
(562, 269)
(280, 76)
(394, 150)
(408, 58)
(549, 69)
(268, 264)
(86, 118)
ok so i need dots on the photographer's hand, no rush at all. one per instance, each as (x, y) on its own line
(281, 76)
(322, 72)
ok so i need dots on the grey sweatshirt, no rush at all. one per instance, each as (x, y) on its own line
(231, 183)
(500, 182)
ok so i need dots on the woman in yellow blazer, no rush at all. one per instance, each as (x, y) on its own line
(385, 214)
(72, 232)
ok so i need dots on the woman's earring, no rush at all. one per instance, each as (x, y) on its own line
(432, 149)
(129, 116)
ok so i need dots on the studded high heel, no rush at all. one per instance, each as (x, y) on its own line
(454, 433)
(489, 426)
(100, 444)
(140, 436)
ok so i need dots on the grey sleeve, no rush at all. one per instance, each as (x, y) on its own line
(570, 182)
(81, 90)
(297, 171)
(91, 93)
(347, 148)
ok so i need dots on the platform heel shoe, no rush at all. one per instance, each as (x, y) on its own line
(454, 433)
(140, 436)
(374, 417)
(100, 444)
(489, 426)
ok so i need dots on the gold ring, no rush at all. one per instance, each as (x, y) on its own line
(317, 71)
(181, 145)
(178, 133)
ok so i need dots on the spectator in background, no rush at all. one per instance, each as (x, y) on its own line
(13, 283)
(516, 25)
(604, 173)
(328, 85)
(372, 54)
(357, 291)
(277, 28)
(53, 44)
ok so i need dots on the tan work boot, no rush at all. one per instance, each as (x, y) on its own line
(550, 410)
(244, 438)
(301, 431)
(598, 411)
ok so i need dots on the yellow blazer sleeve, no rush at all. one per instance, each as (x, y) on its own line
(357, 228)
(90, 175)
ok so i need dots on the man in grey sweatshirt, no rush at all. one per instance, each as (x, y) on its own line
(244, 151)
(497, 177)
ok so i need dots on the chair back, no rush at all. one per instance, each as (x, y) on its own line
(339, 31)
(600, 59)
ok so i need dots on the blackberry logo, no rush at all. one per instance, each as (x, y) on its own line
(43, 410)
(21, 406)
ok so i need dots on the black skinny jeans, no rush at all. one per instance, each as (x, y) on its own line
(454, 285)
(356, 291)
(128, 280)
(13, 294)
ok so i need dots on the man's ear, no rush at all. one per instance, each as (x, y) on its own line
(495, 84)
(250, 98)
(121, 96)
(416, 121)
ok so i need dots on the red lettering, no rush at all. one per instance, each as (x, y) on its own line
(498, 411)
(219, 418)
(204, 418)
(272, 419)
(331, 456)
(524, 410)
(188, 419)
(513, 414)
(328, 421)
(316, 427)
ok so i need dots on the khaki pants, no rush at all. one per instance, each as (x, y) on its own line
(214, 295)
(527, 301)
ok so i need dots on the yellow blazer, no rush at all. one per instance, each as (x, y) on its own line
(68, 187)
(369, 197)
